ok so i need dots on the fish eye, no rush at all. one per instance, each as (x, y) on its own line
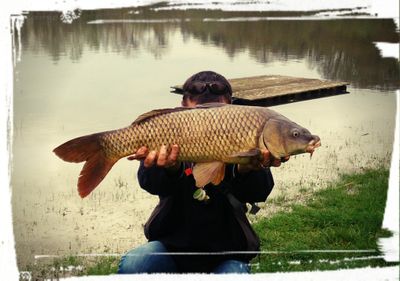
(295, 134)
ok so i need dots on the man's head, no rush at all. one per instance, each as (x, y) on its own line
(204, 87)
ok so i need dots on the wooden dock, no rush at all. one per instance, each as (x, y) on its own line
(269, 90)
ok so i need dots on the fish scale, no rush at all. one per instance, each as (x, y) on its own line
(202, 135)
(209, 135)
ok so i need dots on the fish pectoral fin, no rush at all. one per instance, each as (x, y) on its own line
(205, 173)
(219, 175)
(254, 152)
(245, 157)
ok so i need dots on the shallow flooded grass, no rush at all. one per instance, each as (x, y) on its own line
(334, 228)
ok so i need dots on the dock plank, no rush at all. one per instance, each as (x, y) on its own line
(277, 89)
(263, 87)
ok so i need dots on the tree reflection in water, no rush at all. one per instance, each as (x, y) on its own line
(338, 49)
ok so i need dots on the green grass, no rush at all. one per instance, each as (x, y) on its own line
(345, 216)
(74, 266)
(103, 266)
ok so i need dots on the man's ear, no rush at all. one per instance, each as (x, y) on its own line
(184, 101)
(227, 100)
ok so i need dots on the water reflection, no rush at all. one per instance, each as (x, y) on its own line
(338, 49)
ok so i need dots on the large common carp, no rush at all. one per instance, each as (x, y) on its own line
(209, 135)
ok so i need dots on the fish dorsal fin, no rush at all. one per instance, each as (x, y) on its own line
(205, 173)
(211, 105)
(158, 112)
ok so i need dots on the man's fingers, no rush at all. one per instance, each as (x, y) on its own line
(162, 156)
(266, 158)
(173, 156)
(284, 159)
(276, 162)
(150, 159)
(140, 153)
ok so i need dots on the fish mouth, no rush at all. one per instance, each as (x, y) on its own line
(312, 145)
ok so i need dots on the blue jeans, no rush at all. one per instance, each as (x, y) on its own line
(149, 258)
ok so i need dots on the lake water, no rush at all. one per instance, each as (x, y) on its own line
(90, 76)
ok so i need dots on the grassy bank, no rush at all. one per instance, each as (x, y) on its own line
(344, 218)
(74, 266)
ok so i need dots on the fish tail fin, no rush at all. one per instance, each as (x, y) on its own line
(89, 149)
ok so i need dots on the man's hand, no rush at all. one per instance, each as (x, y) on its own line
(267, 160)
(162, 159)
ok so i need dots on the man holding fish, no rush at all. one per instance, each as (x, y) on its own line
(210, 226)
(204, 160)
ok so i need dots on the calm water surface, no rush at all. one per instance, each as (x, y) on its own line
(80, 78)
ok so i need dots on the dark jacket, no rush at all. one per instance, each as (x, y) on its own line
(184, 224)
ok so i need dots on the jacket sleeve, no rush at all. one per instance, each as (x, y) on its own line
(158, 181)
(254, 186)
